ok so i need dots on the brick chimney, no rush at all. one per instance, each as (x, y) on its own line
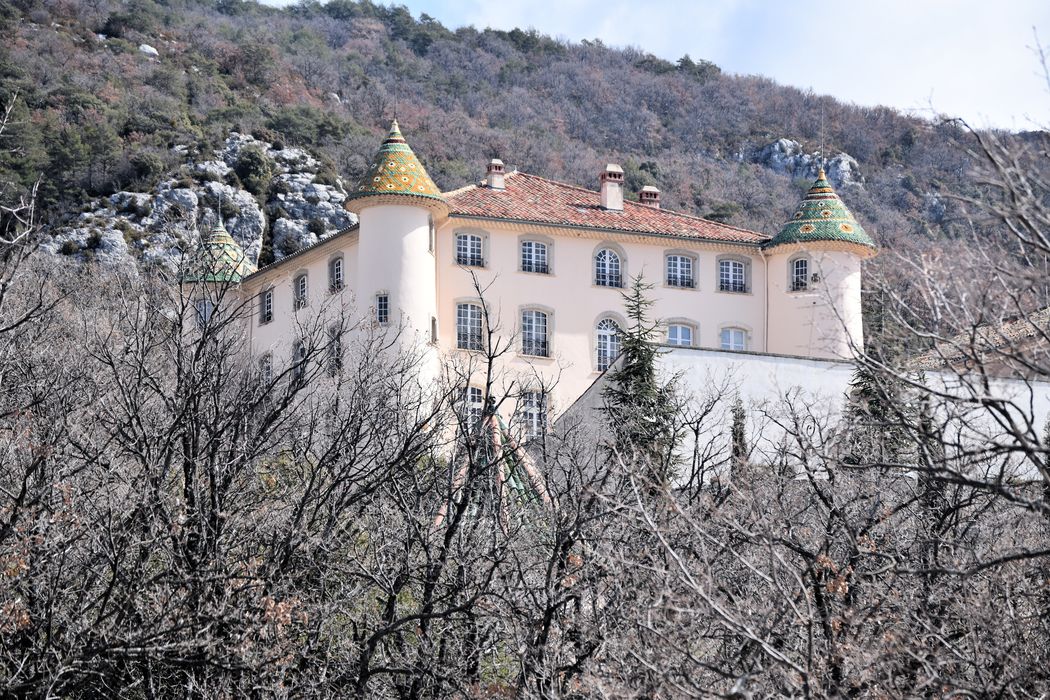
(612, 187)
(650, 197)
(494, 172)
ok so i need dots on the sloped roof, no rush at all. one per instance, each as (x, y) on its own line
(219, 258)
(822, 216)
(529, 198)
(1014, 336)
(395, 170)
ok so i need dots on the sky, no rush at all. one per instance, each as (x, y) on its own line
(968, 58)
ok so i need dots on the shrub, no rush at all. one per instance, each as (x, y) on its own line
(317, 227)
(255, 170)
(69, 247)
(146, 167)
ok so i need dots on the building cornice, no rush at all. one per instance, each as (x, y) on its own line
(347, 236)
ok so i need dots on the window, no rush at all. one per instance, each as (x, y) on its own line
(266, 369)
(335, 351)
(382, 308)
(468, 327)
(299, 360)
(534, 257)
(734, 339)
(534, 333)
(468, 250)
(433, 330)
(799, 274)
(302, 290)
(335, 274)
(732, 276)
(266, 306)
(680, 271)
(608, 343)
(679, 334)
(607, 269)
(205, 310)
(432, 234)
(471, 405)
(531, 414)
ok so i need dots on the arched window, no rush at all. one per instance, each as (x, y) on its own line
(302, 291)
(607, 269)
(680, 334)
(468, 250)
(534, 333)
(608, 343)
(799, 274)
(336, 279)
(468, 327)
(266, 306)
(733, 339)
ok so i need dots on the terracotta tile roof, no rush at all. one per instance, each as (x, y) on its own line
(536, 199)
(1018, 336)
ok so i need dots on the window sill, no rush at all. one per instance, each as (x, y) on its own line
(548, 273)
(527, 356)
(595, 285)
(694, 288)
(747, 293)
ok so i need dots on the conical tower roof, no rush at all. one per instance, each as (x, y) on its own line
(395, 170)
(822, 217)
(219, 258)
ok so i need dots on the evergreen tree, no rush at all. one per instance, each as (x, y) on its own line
(639, 407)
(878, 416)
(738, 438)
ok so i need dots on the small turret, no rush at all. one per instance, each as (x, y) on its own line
(219, 260)
(813, 268)
(396, 177)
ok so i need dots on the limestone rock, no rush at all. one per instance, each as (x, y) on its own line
(149, 50)
(788, 157)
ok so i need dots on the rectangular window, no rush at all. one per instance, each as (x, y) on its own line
(433, 330)
(532, 414)
(266, 369)
(266, 306)
(302, 290)
(734, 339)
(680, 271)
(534, 333)
(468, 327)
(335, 351)
(335, 275)
(534, 257)
(799, 274)
(382, 308)
(468, 250)
(471, 405)
(732, 276)
(432, 235)
(299, 360)
(205, 310)
(679, 334)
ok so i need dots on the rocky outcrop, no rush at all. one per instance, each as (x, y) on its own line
(302, 204)
(788, 157)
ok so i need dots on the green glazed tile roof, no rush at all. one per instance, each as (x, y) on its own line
(396, 170)
(821, 217)
(218, 259)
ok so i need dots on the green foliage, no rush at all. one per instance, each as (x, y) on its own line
(698, 70)
(255, 170)
(640, 409)
(878, 416)
(308, 126)
(316, 227)
(723, 212)
(738, 437)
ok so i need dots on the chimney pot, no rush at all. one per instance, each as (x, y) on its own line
(494, 174)
(649, 196)
(612, 187)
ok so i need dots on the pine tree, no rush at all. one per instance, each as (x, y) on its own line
(738, 439)
(878, 416)
(639, 407)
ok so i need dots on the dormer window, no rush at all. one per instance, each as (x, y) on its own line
(468, 250)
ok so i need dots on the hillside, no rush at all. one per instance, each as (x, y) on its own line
(132, 97)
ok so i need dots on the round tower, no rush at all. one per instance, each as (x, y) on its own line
(813, 278)
(398, 207)
(215, 269)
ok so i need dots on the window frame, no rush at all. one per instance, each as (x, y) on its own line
(301, 290)
(730, 288)
(534, 269)
(336, 285)
(334, 351)
(299, 357)
(682, 323)
(266, 368)
(533, 415)
(266, 306)
(599, 333)
(471, 410)
(204, 312)
(469, 260)
(469, 335)
(745, 335)
(542, 347)
(382, 308)
(621, 267)
(693, 261)
(792, 281)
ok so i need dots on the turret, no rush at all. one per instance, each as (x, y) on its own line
(398, 208)
(813, 278)
(218, 265)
